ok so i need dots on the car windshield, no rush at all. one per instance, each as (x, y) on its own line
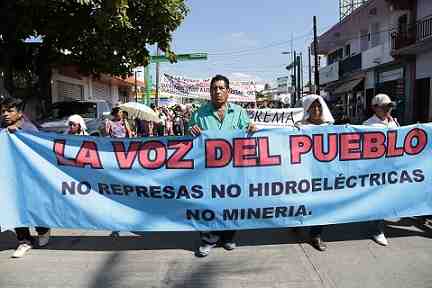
(65, 109)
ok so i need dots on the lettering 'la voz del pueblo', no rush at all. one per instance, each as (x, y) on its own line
(247, 152)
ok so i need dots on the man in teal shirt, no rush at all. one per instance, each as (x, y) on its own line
(218, 114)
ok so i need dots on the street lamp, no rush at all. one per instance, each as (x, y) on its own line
(287, 53)
(292, 68)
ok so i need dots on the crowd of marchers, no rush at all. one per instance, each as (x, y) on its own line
(218, 114)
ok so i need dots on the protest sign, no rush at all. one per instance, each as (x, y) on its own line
(220, 180)
(180, 87)
(275, 118)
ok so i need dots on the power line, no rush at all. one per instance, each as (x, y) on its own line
(273, 44)
(241, 55)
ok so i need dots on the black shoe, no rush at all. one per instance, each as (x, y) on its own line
(318, 244)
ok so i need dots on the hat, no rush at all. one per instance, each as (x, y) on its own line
(382, 100)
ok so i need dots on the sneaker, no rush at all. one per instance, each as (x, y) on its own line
(318, 244)
(204, 249)
(43, 239)
(380, 239)
(21, 250)
(231, 245)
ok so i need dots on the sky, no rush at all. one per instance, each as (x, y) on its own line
(245, 39)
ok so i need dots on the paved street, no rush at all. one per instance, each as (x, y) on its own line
(264, 258)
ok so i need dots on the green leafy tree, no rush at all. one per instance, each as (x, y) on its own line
(99, 36)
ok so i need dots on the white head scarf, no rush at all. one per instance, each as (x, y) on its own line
(77, 119)
(326, 114)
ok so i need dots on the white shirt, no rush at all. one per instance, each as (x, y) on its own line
(377, 122)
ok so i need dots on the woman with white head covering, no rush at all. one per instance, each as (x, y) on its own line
(316, 112)
(76, 125)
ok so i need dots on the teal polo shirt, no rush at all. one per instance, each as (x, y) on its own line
(206, 118)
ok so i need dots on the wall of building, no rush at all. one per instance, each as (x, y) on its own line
(91, 90)
(424, 65)
(56, 80)
(114, 95)
(355, 46)
(374, 22)
(424, 8)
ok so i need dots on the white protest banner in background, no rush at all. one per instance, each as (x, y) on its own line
(180, 87)
(275, 118)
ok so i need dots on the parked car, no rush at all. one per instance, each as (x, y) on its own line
(94, 113)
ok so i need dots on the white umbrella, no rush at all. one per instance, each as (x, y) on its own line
(140, 111)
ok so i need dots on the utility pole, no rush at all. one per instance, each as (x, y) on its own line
(301, 74)
(317, 80)
(136, 90)
(148, 83)
(292, 53)
(295, 77)
(310, 71)
(157, 78)
(298, 60)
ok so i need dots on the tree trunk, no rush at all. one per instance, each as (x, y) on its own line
(8, 49)
(43, 86)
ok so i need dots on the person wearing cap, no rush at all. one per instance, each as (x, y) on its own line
(13, 119)
(316, 113)
(76, 126)
(382, 106)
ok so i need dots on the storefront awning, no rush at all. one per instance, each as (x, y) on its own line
(348, 86)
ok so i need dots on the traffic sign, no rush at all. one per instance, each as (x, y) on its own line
(179, 57)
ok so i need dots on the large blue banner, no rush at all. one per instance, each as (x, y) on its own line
(220, 180)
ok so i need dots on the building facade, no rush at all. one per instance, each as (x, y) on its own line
(68, 85)
(361, 61)
(413, 45)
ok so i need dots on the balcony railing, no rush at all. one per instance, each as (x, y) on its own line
(421, 31)
(424, 29)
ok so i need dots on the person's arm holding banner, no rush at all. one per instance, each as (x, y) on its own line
(193, 127)
(246, 123)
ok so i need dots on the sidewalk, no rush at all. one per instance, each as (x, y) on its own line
(265, 258)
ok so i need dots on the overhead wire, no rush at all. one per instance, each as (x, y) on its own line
(271, 45)
(228, 66)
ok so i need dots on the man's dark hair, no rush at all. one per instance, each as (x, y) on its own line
(9, 102)
(220, 78)
(115, 110)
